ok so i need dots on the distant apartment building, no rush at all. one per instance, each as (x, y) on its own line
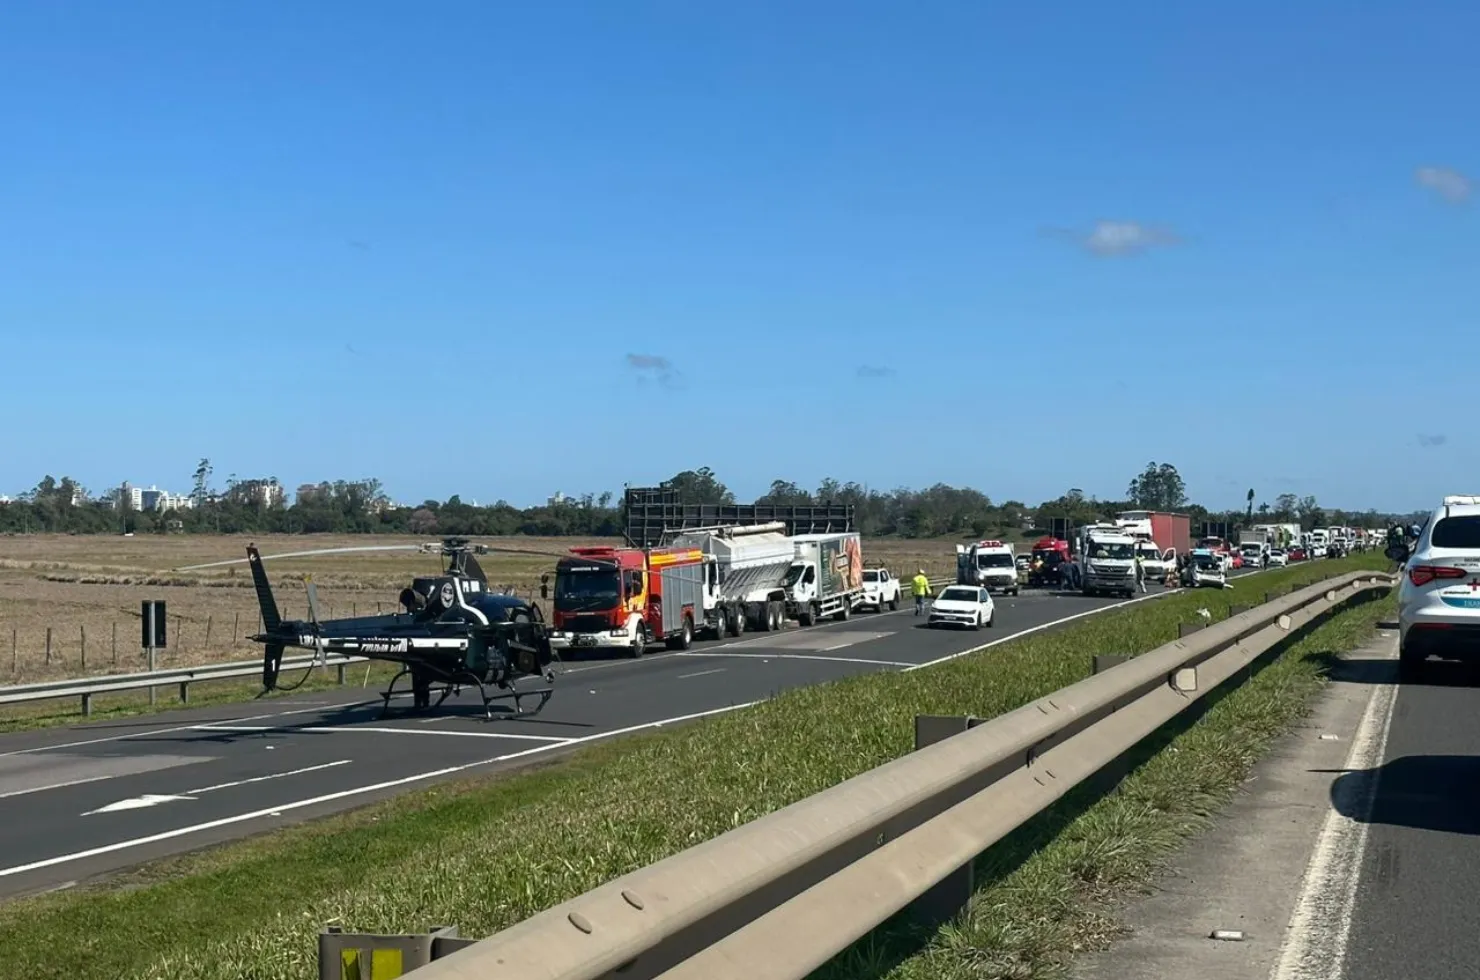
(149, 498)
(262, 493)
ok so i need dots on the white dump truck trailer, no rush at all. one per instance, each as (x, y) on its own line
(746, 570)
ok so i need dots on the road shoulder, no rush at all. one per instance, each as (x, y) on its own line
(1245, 876)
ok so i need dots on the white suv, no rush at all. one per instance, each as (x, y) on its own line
(1439, 596)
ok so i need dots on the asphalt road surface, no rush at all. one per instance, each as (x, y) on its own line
(1415, 806)
(91, 799)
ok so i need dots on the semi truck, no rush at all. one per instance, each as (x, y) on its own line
(1160, 537)
(1162, 528)
(746, 575)
(825, 577)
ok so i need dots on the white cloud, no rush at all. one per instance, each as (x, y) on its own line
(1447, 183)
(1115, 238)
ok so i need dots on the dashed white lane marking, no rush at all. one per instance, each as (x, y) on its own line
(1316, 939)
(351, 729)
(703, 673)
(263, 779)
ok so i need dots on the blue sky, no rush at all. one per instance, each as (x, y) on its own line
(500, 250)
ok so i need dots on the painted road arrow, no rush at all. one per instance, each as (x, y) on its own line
(154, 799)
(137, 802)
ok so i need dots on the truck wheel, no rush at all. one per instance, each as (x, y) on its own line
(639, 643)
(808, 616)
(845, 612)
(737, 620)
(685, 637)
(775, 617)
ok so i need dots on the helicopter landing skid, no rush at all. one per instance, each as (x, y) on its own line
(450, 684)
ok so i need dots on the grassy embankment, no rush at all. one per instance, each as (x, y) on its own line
(486, 855)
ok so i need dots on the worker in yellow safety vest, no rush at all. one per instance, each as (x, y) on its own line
(920, 585)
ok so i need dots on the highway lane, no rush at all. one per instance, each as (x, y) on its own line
(1413, 912)
(96, 798)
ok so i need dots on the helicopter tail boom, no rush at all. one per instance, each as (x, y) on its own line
(271, 618)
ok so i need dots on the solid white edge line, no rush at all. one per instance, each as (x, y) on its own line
(342, 794)
(1315, 941)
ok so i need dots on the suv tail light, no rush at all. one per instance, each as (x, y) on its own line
(1424, 574)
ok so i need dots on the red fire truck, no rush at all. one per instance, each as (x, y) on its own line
(626, 598)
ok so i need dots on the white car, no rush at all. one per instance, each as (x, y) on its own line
(1439, 596)
(1278, 558)
(963, 605)
(880, 589)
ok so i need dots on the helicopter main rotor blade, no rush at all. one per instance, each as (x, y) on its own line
(306, 554)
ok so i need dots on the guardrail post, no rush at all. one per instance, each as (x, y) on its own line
(368, 956)
(340, 671)
(86, 704)
(941, 903)
(184, 692)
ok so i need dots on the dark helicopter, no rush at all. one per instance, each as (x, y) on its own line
(452, 631)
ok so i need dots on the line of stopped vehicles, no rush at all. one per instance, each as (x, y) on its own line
(453, 631)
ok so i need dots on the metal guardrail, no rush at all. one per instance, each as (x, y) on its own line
(86, 687)
(780, 896)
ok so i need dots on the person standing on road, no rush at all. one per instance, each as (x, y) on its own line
(1140, 574)
(920, 586)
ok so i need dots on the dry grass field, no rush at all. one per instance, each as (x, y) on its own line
(69, 605)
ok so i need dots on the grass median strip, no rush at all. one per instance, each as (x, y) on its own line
(485, 855)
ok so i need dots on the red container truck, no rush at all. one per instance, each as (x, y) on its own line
(1167, 530)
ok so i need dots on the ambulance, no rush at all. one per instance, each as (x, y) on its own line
(988, 564)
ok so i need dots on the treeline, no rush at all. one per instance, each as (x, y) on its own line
(359, 507)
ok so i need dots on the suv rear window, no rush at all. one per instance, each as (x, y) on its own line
(1457, 532)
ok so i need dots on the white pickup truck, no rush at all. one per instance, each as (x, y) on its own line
(880, 589)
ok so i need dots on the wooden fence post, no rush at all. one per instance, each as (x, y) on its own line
(48, 644)
(82, 644)
(115, 641)
(207, 644)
